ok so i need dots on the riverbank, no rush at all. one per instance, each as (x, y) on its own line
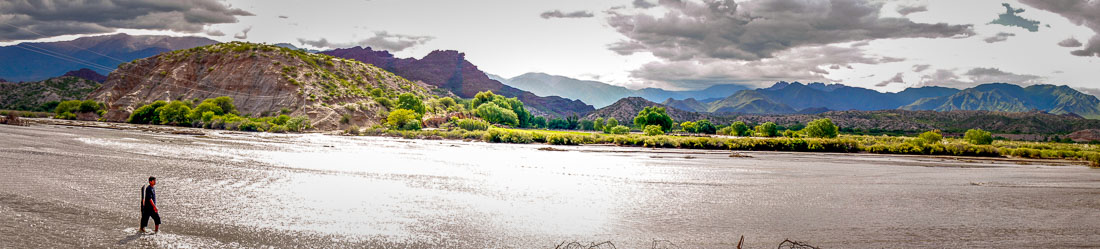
(1087, 153)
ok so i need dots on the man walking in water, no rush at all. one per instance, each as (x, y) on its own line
(149, 207)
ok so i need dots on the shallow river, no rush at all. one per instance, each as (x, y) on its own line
(80, 187)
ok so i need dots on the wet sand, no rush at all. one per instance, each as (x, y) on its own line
(64, 186)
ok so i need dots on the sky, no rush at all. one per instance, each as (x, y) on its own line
(671, 44)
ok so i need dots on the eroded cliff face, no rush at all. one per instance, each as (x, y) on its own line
(262, 79)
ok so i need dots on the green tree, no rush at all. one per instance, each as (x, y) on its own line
(688, 126)
(146, 114)
(558, 124)
(587, 125)
(704, 126)
(767, 129)
(224, 102)
(89, 106)
(196, 114)
(821, 128)
(174, 113)
(403, 119)
(739, 129)
(611, 123)
(598, 124)
(495, 114)
(653, 130)
(653, 115)
(618, 129)
(978, 136)
(932, 136)
(410, 102)
(573, 120)
(538, 122)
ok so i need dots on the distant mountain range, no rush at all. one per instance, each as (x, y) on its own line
(1013, 98)
(601, 94)
(450, 70)
(41, 60)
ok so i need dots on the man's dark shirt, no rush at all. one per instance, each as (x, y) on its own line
(150, 194)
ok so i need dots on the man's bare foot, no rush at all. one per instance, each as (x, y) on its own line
(142, 230)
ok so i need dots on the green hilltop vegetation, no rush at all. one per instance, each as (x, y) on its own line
(44, 96)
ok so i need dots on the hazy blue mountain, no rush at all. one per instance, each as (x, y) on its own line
(601, 94)
(749, 102)
(1012, 98)
(37, 61)
(291, 46)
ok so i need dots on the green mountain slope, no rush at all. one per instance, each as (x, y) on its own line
(1012, 98)
(30, 96)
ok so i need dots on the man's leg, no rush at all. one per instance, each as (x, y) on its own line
(144, 221)
(156, 222)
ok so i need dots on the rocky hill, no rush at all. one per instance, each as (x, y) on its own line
(37, 61)
(949, 121)
(263, 80)
(450, 70)
(87, 74)
(626, 109)
(33, 96)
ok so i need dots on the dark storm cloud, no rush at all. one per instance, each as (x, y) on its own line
(559, 14)
(381, 40)
(643, 4)
(906, 9)
(799, 64)
(1080, 12)
(999, 37)
(758, 29)
(46, 18)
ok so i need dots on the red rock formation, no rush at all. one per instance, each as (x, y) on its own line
(450, 70)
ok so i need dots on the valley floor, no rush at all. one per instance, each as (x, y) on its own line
(71, 186)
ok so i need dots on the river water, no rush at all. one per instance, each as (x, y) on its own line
(80, 187)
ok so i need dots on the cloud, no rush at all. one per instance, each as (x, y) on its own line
(284, 17)
(896, 79)
(921, 67)
(758, 29)
(1080, 12)
(1090, 91)
(559, 14)
(1070, 43)
(643, 4)
(215, 33)
(805, 64)
(33, 19)
(999, 37)
(381, 40)
(908, 9)
(243, 34)
(1009, 18)
(977, 76)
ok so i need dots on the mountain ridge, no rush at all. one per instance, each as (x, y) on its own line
(100, 53)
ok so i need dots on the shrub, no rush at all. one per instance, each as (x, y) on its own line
(447, 101)
(203, 108)
(89, 106)
(384, 101)
(345, 118)
(146, 114)
(653, 115)
(538, 122)
(495, 114)
(411, 102)
(71, 106)
(298, 124)
(280, 120)
(277, 129)
(403, 119)
(587, 125)
(704, 126)
(611, 123)
(930, 137)
(473, 125)
(66, 115)
(821, 128)
(352, 130)
(767, 129)
(739, 129)
(653, 130)
(688, 126)
(619, 129)
(978, 136)
(174, 113)
(223, 102)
